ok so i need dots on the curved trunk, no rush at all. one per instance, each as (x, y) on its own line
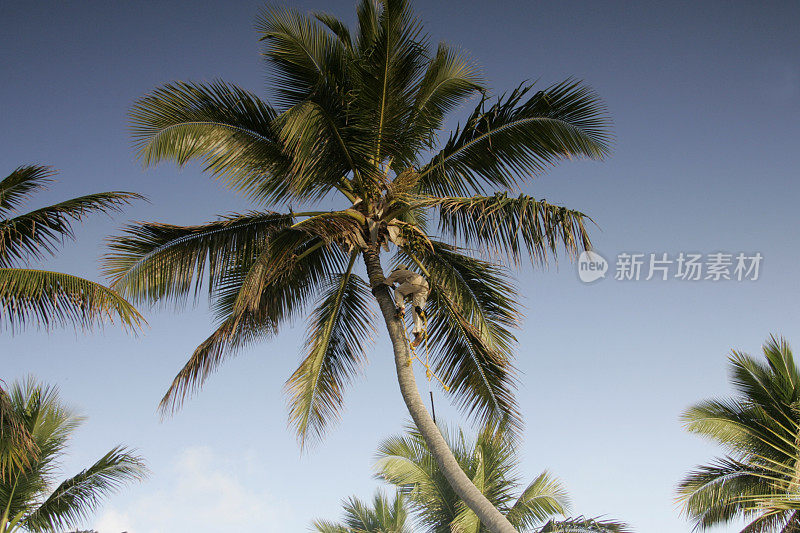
(458, 480)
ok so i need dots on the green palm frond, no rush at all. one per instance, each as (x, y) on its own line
(508, 227)
(17, 187)
(253, 299)
(759, 429)
(382, 515)
(339, 332)
(76, 498)
(30, 498)
(543, 498)
(152, 262)
(584, 525)
(391, 61)
(518, 135)
(471, 310)
(17, 447)
(50, 299)
(37, 234)
(227, 128)
(449, 80)
(490, 460)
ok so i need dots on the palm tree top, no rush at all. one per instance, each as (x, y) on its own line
(30, 497)
(357, 114)
(758, 429)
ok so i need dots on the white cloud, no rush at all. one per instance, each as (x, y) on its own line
(203, 494)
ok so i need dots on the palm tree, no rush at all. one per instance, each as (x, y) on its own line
(356, 124)
(491, 462)
(383, 516)
(28, 499)
(757, 479)
(39, 297)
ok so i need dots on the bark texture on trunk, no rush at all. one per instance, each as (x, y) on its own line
(458, 480)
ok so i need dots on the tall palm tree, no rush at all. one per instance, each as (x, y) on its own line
(758, 478)
(28, 499)
(38, 297)
(356, 125)
(491, 462)
(382, 516)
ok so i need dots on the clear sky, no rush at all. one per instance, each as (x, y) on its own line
(704, 98)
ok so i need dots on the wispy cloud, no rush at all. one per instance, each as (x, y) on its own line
(204, 493)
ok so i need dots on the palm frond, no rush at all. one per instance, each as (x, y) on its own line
(471, 310)
(49, 299)
(340, 328)
(585, 525)
(37, 234)
(76, 498)
(542, 498)
(234, 334)
(508, 227)
(302, 56)
(229, 129)
(450, 78)
(518, 136)
(253, 300)
(17, 447)
(152, 262)
(17, 187)
(391, 61)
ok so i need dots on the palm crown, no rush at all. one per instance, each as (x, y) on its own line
(355, 123)
(425, 497)
(355, 116)
(29, 498)
(757, 479)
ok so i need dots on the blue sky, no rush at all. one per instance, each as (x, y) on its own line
(704, 99)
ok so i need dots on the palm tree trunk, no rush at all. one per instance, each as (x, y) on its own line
(458, 480)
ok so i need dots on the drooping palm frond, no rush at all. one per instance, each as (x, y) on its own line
(37, 234)
(518, 136)
(77, 498)
(152, 262)
(471, 310)
(339, 334)
(508, 227)
(50, 299)
(253, 300)
(229, 129)
(17, 187)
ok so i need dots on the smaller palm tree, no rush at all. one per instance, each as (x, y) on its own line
(39, 297)
(383, 516)
(758, 478)
(490, 461)
(29, 499)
